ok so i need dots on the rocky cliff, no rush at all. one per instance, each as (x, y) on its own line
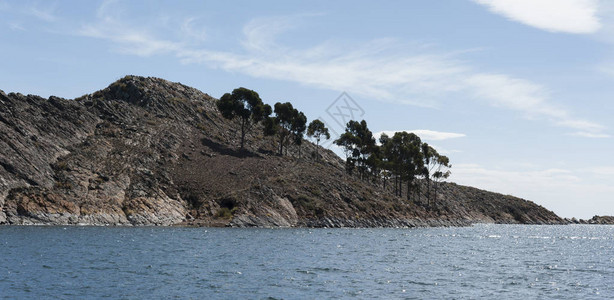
(145, 151)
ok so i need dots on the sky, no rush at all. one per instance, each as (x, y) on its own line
(517, 93)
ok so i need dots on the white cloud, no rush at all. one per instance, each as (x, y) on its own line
(383, 70)
(373, 73)
(526, 97)
(425, 134)
(601, 171)
(570, 16)
(591, 135)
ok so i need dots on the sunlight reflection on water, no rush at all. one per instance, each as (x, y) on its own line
(510, 261)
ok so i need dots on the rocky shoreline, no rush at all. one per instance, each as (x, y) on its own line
(595, 220)
(65, 219)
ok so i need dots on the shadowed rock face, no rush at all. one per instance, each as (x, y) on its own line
(145, 151)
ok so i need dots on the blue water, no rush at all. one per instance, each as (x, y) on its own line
(484, 261)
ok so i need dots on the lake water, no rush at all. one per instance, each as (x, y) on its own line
(483, 261)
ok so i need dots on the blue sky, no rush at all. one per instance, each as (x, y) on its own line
(516, 92)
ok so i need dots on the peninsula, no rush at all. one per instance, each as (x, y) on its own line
(146, 151)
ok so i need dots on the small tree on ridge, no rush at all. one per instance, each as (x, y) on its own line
(246, 105)
(317, 130)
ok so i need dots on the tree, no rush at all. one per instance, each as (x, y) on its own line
(442, 171)
(359, 144)
(288, 124)
(299, 125)
(412, 164)
(391, 156)
(436, 168)
(283, 121)
(429, 154)
(385, 161)
(317, 130)
(403, 158)
(374, 163)
(246, 105)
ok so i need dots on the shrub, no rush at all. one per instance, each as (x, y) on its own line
(201, 126)
(224, 213)
(61, 166)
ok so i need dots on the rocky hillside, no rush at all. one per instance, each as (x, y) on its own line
(145, 151)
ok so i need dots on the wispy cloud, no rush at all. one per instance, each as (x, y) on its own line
(46, 13)
(16, 26)
(425, 134)
(127, 38)
(191, 30)
(569, 16)
(130, 40)
(384, 69)
(260, 33)
(528, 98)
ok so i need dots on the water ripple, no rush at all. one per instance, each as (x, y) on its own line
(485, 261)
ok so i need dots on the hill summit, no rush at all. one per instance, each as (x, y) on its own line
(146, 151)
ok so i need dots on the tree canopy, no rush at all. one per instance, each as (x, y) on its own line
(403, 157)
(288, 124)
(358, 143)
(402, 150)
(245, 105)
(317, 130)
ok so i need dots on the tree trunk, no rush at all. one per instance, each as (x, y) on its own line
(408, 186)
(243, 125)
(281, 144)
(417, 195)
(394, 179)
(428, 191)
(396, 185)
